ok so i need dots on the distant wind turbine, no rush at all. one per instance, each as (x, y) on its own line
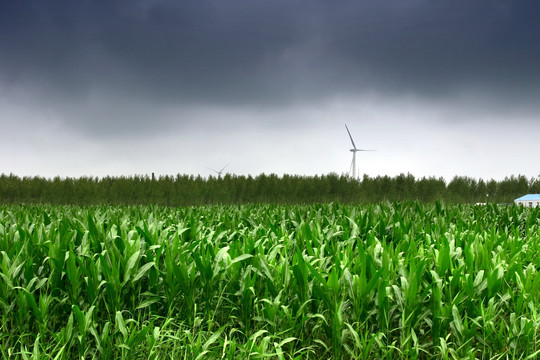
(354, 151)
(220, 171)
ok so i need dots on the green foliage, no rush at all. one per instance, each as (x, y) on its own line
(386, 281)
(184, 190)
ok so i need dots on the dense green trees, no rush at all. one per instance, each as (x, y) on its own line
(195, 190)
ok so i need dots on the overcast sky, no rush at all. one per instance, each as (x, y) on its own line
(438, 88)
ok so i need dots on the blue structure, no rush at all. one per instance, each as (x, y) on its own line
(529, 200)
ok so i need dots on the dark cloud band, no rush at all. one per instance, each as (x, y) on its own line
(264, 53)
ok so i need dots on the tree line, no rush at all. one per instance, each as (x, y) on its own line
(187, 190)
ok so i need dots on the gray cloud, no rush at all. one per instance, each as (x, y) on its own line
(111, 74)
(267, 52)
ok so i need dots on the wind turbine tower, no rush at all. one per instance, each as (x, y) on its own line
(354, 150)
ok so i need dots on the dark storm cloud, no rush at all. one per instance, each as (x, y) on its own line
(189, 51)
(84, 57)
(437, 47)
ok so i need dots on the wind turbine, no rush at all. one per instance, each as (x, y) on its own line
(220, 171)
(354, 150)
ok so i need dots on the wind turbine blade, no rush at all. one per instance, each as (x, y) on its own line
(212, 169)
(224, 167)
(354, 146)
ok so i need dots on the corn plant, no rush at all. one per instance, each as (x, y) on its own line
(382, 281)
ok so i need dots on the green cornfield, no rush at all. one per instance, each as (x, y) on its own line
(327, 281)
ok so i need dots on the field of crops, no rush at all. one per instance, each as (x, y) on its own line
(386, 281)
